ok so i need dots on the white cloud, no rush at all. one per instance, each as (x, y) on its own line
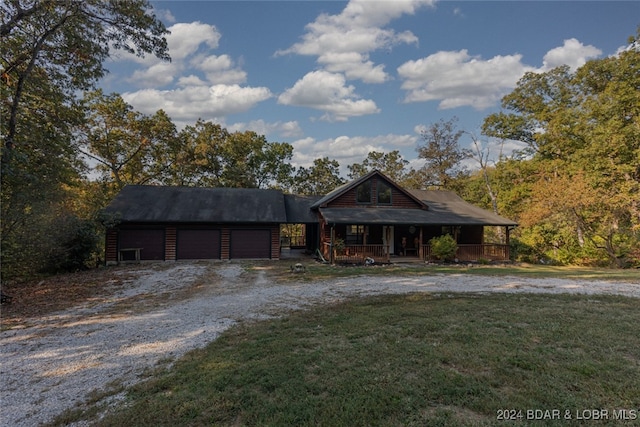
(159, 74)
(186, 38)
(191, 80)
(165, 15)
(327, 92)
(202, 84)
(347, 150)
(343, 42)
(193, 102)
(185, 41)
(572, 53)
(289, 129)
(220, 69)
(457, 79)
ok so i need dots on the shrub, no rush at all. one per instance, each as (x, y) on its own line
(443, 247)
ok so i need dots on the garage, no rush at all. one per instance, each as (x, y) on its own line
(149, 242)
(198, 244)
(250, 244)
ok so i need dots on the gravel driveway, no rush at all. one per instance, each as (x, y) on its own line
(164, 311)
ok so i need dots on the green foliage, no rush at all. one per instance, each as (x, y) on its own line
(575, 189)
(391, 164)
(51, 50)
(444, 247)
(443, 156)
(206, 154)
(319, 179)
(77, 245)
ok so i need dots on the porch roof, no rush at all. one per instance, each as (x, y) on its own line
(381, 216)
(454, 208)
(391, 216)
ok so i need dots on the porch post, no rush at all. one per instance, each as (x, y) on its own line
(333, 235)
(419, 248)
(507, 242)
(388, 240)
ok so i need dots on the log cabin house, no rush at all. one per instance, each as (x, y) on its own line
(370, 217)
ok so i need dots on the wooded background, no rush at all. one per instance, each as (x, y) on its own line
(68, 148)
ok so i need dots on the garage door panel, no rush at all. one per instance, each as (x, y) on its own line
(198, 244)
(151, 243)
(250, 244)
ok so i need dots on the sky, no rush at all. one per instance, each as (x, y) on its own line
(341, 79)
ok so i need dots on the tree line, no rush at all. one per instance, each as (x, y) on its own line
(68, 148)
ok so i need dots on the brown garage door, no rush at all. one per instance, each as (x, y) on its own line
(250, 244)
(150, 242)
(198, 244)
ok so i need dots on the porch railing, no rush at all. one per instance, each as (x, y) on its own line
(358, 253)
(489, 252)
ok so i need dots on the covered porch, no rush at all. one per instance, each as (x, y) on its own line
(354, 244)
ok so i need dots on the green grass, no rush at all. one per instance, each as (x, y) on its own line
(315, 271)
(422, 359)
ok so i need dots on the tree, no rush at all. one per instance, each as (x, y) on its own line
(582, 130)
(209, 155)
(443, 156)
(319, 179)
(127, 147)
(250, 161)
(391, 164)
(49, 51)
(66, 42)
(482, 155)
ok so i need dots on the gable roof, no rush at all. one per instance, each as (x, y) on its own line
(324, 201)
(454, 210)
(146, 203)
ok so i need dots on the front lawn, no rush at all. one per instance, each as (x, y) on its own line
(422, 359)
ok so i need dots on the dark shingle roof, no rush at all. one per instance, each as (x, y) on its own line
(144, 203)
(155, 204)
(452, 209)
(383, 215)
(299, 209)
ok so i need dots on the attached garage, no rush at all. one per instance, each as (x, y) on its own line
(191, 223)
(247, 244)
(198, 243)
(149, 243)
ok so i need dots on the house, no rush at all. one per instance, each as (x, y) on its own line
(370, 217)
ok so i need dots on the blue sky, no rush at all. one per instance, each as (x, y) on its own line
(341, 79)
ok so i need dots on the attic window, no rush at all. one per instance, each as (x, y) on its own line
(384, 193)
(363, 192)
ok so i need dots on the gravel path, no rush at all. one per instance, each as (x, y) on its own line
(53, 364)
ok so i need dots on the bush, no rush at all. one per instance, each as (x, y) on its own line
(443, 247)
(76, 245)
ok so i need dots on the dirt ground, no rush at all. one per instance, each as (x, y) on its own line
(40, 297)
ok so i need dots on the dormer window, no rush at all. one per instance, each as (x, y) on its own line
(384, 193)
(363, 192)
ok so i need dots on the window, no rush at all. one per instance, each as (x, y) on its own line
(363, 192)
(355, 234)
(384, 193)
